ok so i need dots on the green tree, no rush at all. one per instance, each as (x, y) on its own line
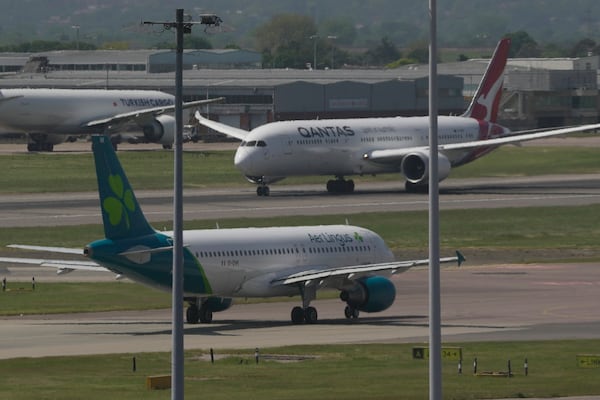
(384, 53)
(37, 46)
(342, 29)
(583, 47)
(189, 42)
(287, 40)
(523, 45)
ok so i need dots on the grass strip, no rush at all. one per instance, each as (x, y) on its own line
(42, 173)
(373, 371)
(529, 228)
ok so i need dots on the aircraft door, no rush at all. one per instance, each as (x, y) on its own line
(300, 254)
(287, 147)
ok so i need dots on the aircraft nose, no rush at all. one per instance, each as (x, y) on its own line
(243, 160)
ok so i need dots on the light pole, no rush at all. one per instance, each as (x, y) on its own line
(177, 360)
(76, 27)
(332, 38)
(314, 38)
(435, 323)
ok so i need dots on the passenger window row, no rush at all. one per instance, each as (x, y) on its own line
(281, 251)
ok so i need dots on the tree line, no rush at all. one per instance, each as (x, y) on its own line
(295, 41)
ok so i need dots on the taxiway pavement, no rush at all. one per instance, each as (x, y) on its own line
(495, 302)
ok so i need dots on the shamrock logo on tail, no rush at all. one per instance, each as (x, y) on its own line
(117, 207)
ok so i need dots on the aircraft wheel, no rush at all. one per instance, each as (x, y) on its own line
(351, 313)
(191, 315)
(297, 315)
(263, 191)
(330, 186)
(310, 315)
(206, 314)
(349, 186)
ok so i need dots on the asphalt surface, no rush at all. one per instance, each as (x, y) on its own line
(237, 202)
(495, 302)
(479, 303)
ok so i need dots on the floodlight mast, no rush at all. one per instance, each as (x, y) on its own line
(435, 334)
(177, 360)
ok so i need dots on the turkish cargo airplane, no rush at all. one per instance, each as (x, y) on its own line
(221, 264)
(51, 116)
(360, 146)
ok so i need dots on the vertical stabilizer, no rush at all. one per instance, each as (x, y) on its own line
(485, 103)
(121, 213)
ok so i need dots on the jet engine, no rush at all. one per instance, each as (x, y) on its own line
(160, 130)
(370, 294)
(415, 167)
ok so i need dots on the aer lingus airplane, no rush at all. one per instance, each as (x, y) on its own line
(221, 264)
(359, 146)
(50, 116)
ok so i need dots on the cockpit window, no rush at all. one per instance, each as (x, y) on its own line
(243, 143)
(251, 143)
(261, 143)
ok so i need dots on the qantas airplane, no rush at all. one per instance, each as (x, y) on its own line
(51, 116)
(221, 264)
(361, 146)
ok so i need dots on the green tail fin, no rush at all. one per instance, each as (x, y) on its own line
(121, 214)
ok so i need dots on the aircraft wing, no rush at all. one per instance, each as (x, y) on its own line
(396, 155)
(62, 266)
(222, 128)
(329, 277)
(146, 112)
(517, 137)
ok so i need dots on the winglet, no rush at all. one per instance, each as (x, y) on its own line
(485, 102)
(460, 258)
(121, 213)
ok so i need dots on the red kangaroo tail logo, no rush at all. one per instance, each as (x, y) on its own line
(486, 101)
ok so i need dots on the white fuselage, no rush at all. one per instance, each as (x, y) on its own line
(67, 111)
(337, 147)
(244, 262)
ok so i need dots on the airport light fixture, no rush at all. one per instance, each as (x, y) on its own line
(332, 38)
(182, 24)
(315, 38)
(76, 27)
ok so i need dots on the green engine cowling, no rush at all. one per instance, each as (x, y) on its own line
(370, 294)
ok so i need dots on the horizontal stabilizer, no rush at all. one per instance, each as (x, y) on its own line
(50, 249)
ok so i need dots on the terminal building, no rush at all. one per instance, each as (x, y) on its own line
(538, 92)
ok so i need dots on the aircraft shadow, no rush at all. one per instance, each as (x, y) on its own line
(238, 327)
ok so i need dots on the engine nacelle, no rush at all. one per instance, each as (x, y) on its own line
(370, 294)
(415, 167)
(160, 130)
(216, 304)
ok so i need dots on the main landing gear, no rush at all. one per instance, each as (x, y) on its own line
(263, 190)
(306, 313)
(195, 314)
(340, 185)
